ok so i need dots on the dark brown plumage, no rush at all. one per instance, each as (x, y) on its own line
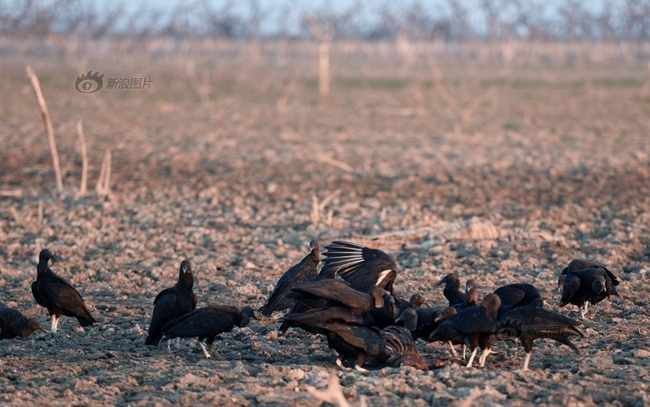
(362, 267)
(428, 319)
(518, 294)
(475, 324)
(416, 301)
(357, 342)
(471, 293)
(334, 292)
(452, 291)
(58, 295)
(529, 322)
(408, 319)
(583, 264)
(585, 286)
(376, 308)
(172, 303)
(206, 323)
(300, 273)
(13, 323)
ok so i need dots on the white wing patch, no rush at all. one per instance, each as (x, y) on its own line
(382, 276)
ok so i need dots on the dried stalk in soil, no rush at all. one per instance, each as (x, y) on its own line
(48, 127)
(84, 159)
(104, 182)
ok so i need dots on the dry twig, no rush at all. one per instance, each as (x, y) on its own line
(104, 182)
(325, 36)
(11, 193)
(84, 159)
(48, 127)
(336, 163)
(333, 394)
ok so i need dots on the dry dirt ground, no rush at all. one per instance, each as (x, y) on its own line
(503, 175)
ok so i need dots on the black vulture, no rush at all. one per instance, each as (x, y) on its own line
(585, 286)
(58, 295)
(518, 294)
(452, 291)
(377, 308)
(428, 319)
(353, 340)
(363, 268)
(424, 320)
(475, 324)
(529, 322)
(471, 293)
(583, 264)
(385, 315)
(206, 323)
(325, 292)
(172, 303)
(408, 319)
(300, 273)
(13, 323)
(416, 301)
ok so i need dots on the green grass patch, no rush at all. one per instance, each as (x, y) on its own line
(618, 83)
(514, 126)
(358, 83)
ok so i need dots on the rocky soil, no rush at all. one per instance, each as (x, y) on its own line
(541, 172)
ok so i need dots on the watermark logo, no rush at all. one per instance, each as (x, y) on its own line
(92, 82)
(89, 83)
(513, 329)
(508, 330)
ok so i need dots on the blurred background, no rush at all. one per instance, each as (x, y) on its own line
(422, 101)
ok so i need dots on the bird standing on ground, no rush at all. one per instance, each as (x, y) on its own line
(529, 322)
(58, 295)
(452, 291)
(300, 273)
(13, 323)
(586, 286)
(475, 324)
(172, 303)
(206, 323)
(582, 264)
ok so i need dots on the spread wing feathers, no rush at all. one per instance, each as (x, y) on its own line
(201, 322)
(570, 288)
(334, 290)
(362, 267)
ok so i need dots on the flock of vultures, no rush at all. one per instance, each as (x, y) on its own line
(351, 301)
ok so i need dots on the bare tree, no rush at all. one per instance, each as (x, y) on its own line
(325, 34)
